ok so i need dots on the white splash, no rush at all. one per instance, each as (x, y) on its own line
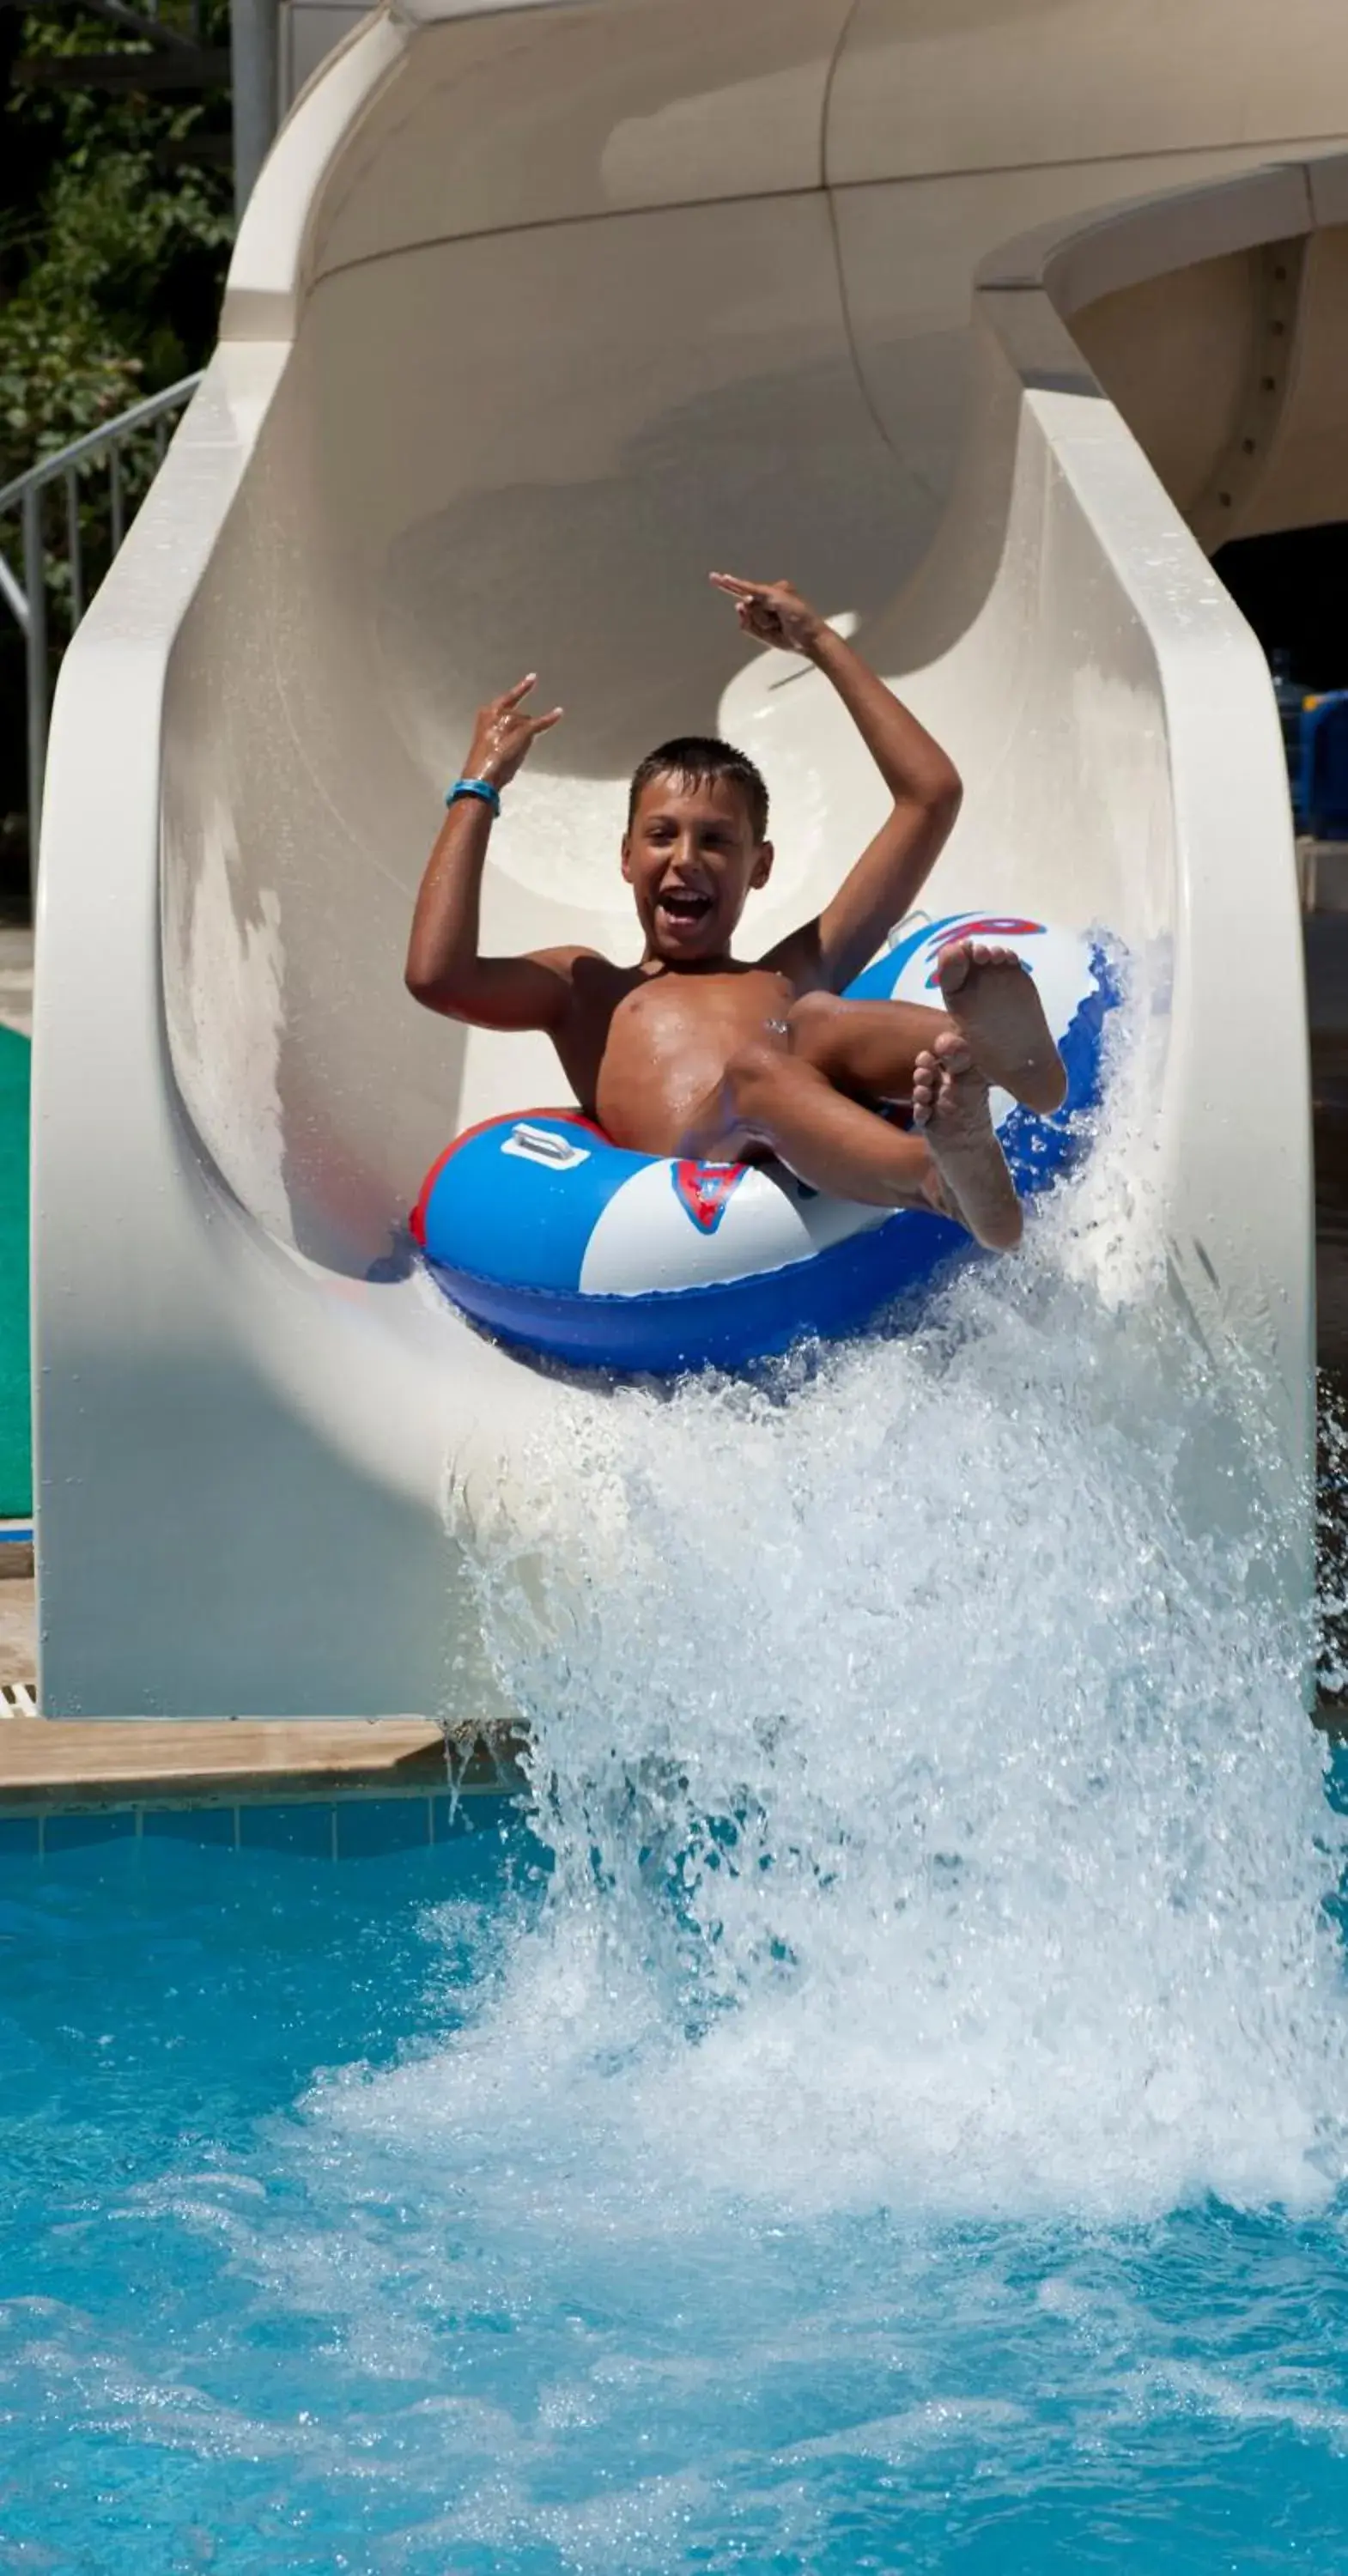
(936, 1823)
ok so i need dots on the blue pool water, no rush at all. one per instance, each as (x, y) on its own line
(241, 2331)
(885, 2109)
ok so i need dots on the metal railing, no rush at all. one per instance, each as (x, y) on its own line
(51, 585)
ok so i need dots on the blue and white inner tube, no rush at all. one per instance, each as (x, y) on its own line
(551, 1236)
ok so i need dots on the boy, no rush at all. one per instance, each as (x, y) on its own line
(692, 1052)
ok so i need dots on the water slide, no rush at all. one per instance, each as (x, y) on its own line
(985, 320)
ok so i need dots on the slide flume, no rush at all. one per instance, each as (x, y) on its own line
(537, 313)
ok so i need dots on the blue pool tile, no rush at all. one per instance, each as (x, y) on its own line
(482, 1811)
(18, 1834)
(303, 1828)
(367, 1825)
(70, 1833)
(190, 1824)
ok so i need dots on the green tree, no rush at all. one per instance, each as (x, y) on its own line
(115, 226)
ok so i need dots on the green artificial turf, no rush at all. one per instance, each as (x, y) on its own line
(16, 1431)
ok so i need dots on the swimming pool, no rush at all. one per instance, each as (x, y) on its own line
(244, 2329)
(886, 2112)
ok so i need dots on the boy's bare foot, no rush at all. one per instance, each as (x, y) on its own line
(950, 1108)
(992, 1000)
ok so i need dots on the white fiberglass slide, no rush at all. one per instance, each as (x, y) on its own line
(980, 319)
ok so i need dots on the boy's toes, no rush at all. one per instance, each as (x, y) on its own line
(952, 1051)
(954, 965)
(926, 1088)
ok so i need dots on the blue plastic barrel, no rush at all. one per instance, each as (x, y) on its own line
(1290, 696)
(1323, 800)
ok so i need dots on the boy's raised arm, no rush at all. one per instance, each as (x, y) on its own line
(923, 781)
(444, 968)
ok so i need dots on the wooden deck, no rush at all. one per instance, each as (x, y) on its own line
(154, 1762)
(53, 1763)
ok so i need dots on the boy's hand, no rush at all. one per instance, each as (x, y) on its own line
(774, 613)
(503, 734)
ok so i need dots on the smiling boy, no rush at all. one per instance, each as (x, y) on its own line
(694, 1052)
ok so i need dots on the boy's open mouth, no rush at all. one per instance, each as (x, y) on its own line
(684, 905)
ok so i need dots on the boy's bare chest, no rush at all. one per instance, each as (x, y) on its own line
(672, 1016)
(665, 1042)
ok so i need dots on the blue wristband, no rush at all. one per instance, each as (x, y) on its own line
(479, 787)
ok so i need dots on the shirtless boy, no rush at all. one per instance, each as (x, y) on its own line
(697, 1053)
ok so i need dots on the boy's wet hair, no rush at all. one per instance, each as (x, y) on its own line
(693, 758)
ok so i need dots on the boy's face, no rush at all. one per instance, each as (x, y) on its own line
(691, 861)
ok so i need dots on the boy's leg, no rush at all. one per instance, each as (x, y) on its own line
(808, 1101)
(772, 1097)
(867, 1049)
(870, 1048)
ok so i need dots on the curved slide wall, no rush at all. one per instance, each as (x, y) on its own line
(537, 312)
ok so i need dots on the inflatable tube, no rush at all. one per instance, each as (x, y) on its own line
(551, 1236)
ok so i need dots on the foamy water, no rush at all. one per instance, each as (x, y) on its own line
(935, 1822)
(891, 2115)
